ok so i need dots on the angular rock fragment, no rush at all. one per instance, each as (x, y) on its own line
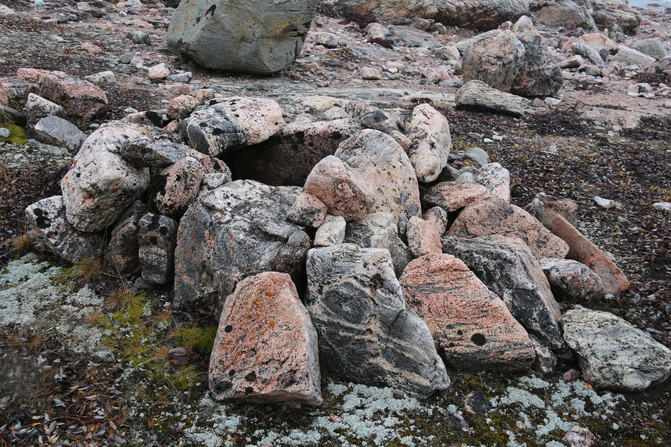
(266, 346)
(384, 165)
(181, 187)
(476, 95)
(452, 196)
(237, 230)
(571, 279)
(495, 61)
(342, 189)
(613, 354)
(423, 237)
(59, 132)
(156, 154)
(431, 142)
(496, 217)
(122, 249)
(379, 230)
(48, 217)
(566, 207)
(181, 106)
(366, 334)
(616, 12)
(496, 179)
(156, 241)
(438, 217)
(231, 124)
(629, 56)
(331, 232)
(471, 326)
(308, 210)
(38, 108)
(507, 267)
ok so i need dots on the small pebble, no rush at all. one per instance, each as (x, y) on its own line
(664, 206)
(4, 133)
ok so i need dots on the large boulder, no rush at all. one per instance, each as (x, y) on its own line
(452, 196)
(236, 230)
(101, 185)
(231, 124)
(366, 334)
(507, 267)
(610, 12)
(429, 132)
(567, 13)
(250, 36)
(496, 217)
(376, 157)
(612, 353)
(265, 350)
(471, 326)
(47, 217)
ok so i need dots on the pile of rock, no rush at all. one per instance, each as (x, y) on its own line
(372, 262)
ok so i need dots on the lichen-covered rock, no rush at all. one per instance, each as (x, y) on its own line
(288, 157)
(231, 124)
(156, 154)
(496, 217)
(38, 108)
(250, 36)
(507, 267)
(366, 334)
(236, 230)
(495, 61)
(122, 249)
(452, 196)
(59, 132)
(612, 353)
(496, 179)
(101, 185)
(471, 326)
(429, 132)
(156, 241)
(331, 232)
(308, 211)
(181, 187)
(423, 237)
(343, 190)
(379, 230)
(48, 217)
(572, 279)
(566, 13)
(266, 349)
(377, 158)
(477, 95)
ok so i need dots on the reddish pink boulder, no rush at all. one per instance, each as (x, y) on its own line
(423, 237)
(344, 192)
(452, 196)
(471, 325)
(583, 250)
(266, 347)
(182, 184)
(80, 99)
(494, 216)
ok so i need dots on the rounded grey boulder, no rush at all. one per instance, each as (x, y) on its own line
(250, 36)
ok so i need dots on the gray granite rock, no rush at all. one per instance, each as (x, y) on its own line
(182, 184)
(629, 56)
(59, 132)
(476, 95)
(429, 132)
(571, 279)
(156, 240)
(652, 47)
(122, 249)
(366, 334)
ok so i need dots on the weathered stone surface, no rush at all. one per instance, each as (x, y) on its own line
(566, 207)
(181, 356)
(652, 47)
(331, 232)
(476, 95)
(546, 360)
(241, 35)
(496, 179)
(101, 184)
(494, 216)
(266, 349)
(48, 217)
(438, 217)
(429, 132)
(471, 326)
(366, 334)
(508, 268)
(386, 168)
(452, 196)
(38, 108)
(496, 61)
(182, 184)
(237, 230)
(566, 13)
(612, 353)
(231, 124)
(59, 132)
(80, 99)
(571, 279)
(158, 72)
(583, 250)
(380, 230)
(288, 157)
(342, 189)
(423, 237)
(596, 41)
(579, 437)
(629, 56)
(156, 239)
(157, 154)
(181, 106)
(539, 75)
(610, 12)
(122, 249)
(308, 210)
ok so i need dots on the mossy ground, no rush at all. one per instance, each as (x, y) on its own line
(17, 134)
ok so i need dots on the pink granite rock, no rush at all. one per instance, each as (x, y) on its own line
(452, 196)
(266, 347)
(494, 216)
(431, 142)
(472, 326)
(344, 191)
(38, 108)
(571, 279)
(182, 184)
(80, 99)
(308, 210)
(496, 179)
(423, 237)
(181, 106)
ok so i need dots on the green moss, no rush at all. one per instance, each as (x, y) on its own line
(199, 338)
(17, 135)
